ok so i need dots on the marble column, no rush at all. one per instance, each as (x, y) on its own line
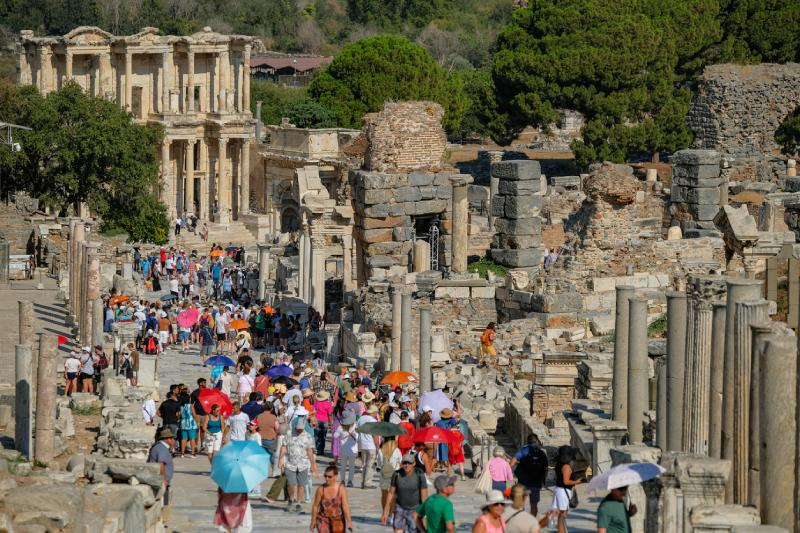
(129, 81)
(224, 70)
(698, 383)
(661, 403)
(638, 364)
(778, 420)
(223, 183)
(759, 332)
(425, 376)
(347, 263)
(772, 279)
(81, 288)
(246, 80)
(190, 81)
(747, 312)
(794, 293)
(26, 322)
(676, 350)
(205, 178)
(244, 179)
(263, 269)
(168, 191)
(165, 76)
(620, 378)
(405, 333)
(97, 322)
(92, 294)
(23, 394)
(422, 256)
(739, 290)
(460, 236)
(67, 66)
(77, 236)
(318, 257)
(396, 327)
(306, 269)
(716, 382)
(189, 204)
(46, 384)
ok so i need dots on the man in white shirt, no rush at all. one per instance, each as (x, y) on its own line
(226, 382)
(237, 423)
(367, 448)
(72, 367)
(221, 325)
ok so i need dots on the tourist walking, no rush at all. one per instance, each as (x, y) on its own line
(391, 459)
(367, 448)
(491, 518)
(612, 516)
(72, 367)
(500, 470)
(297, 461)
(237, 423)
(330, 510)
(347, 440)
(214, 429)
(530, 466)
(408, 488)
(188, 423)
(161, 453)
(323, 411)
(518, 520)
(487, 340)
(233, 513)
(435, 514)
(565, 484)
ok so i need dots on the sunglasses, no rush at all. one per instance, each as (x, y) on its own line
(500, 503)
(329, 476)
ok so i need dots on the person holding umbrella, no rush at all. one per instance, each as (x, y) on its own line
(612, 516)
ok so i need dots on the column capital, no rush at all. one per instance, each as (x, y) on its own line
(165, 142)
(461, 180)
(223, 140)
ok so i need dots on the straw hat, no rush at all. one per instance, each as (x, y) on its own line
(350, 396)
(446, 413)
(323, 395)
(494, 497)
(367, 397)
(372, 409)
(307, 393)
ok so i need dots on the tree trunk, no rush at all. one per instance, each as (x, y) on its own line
(655, 157)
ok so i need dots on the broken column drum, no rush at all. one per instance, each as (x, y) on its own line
(676, 349)
(460, 223)
(620, 377)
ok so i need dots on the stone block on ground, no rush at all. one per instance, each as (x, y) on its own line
(516, 187)
(523, 169)
(517, 258)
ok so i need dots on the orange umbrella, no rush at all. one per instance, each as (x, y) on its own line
(268, 309)
(240, 324)
(217, 253)
(398, 377)
(118, 299)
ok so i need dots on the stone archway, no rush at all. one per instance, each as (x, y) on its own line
(290, 216)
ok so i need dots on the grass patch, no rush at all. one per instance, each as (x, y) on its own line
(86, 410)
(658, 327)
(39, 464)
(111, 231)
(485, 265)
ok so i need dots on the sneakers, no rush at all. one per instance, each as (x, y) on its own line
(298, 508)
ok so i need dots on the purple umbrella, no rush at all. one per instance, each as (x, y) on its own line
(279, 370)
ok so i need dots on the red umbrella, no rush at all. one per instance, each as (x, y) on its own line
(433, 435)
(62, 340)
(209, 397)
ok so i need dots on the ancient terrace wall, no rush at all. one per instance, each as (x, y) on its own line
(736, 111)
(197, 87)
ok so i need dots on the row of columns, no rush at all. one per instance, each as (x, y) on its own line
(85, 308)
(402, 337)
(313, 253)
(731, 392)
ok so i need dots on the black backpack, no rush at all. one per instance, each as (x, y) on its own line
(532, 468)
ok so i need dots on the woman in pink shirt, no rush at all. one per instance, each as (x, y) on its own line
(500, 470)
(323, 409)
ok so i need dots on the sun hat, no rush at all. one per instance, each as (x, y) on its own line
(409, 458)
(323, 395)
(350, 396)
(444, 481)
(87, 349)
(404, 398)
(348, 417)
(427, 409)
(367, 397)
(166, 434)
(307, 393)
(446, 413)
(373, 408)
(493, 497)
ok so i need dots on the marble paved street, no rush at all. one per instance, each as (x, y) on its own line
(194, 494)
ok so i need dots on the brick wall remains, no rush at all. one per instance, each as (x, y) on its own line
(405, 136)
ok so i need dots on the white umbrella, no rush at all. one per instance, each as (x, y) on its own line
(624, 475)
(436, 400)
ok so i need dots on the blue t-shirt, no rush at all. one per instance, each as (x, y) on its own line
(215, 271)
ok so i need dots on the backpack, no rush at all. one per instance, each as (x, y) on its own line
(532, 468)
(151, 347)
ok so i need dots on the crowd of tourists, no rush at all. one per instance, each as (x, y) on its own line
(305, 411)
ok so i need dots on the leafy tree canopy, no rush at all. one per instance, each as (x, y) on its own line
(375, 70)
(85, 149)
(788, 134)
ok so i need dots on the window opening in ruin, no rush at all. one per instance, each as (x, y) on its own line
(422, 226)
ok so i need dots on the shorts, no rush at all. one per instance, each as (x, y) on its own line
(213, 442)
(184, 335)
(72, 375)
(84, 375)
(404, 519)
(297, 478)
(189, 434)
(163, 337)
(561, 497)
(231, 334)
(220, 337)
(206, 349)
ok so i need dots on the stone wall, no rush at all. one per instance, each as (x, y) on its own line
(405, 136)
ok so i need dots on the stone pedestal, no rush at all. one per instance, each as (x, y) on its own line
(739, 290)
(147, 371)
(46, 383)
(620, 379)
(460, 237)
(747, 313)
(676, 349)
(778, 421)
(425, 375)
(127, 270)
(422, 256)
(23, 408)
(405, 333)
(396, 328)
(606, 435)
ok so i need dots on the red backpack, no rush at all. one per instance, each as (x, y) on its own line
(151, 347)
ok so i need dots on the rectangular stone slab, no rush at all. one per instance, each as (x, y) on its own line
(523, 169)
(518, 187)
(519, 226)
(522, 206)
(518, 258)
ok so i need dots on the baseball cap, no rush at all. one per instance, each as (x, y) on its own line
(444, 481)
(409, 459)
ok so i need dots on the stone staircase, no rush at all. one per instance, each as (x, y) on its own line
(234, 232)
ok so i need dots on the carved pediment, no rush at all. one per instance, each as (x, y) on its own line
(88, 34)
